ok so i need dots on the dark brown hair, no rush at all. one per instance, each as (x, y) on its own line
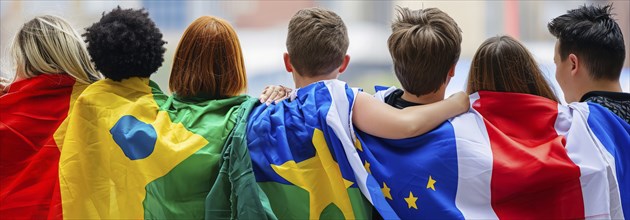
(424, 45)
(317, 41)
(208, 61)
(503, 64)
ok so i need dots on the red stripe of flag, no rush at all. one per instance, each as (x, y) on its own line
(29, 157)
(532, 175)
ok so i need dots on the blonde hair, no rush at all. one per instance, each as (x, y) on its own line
(208, 61)
(49, 45)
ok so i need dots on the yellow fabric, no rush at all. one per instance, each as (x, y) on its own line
(60, 133)
(320, 176)
(97, 180)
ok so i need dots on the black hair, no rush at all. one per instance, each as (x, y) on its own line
(592, 34)
(125, 43)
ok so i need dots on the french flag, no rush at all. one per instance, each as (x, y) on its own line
(511, 156)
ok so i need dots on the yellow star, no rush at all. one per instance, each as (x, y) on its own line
(321, 177)
(367, 167)
(411, 201)
(386, 192)
(357, 144)
(431, 183)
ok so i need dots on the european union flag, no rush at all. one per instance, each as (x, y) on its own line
(417, 176)
(511, 156)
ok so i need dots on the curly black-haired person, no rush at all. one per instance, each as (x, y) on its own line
(119, 143)
(589, 56)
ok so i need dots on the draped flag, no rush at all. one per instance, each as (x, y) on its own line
(131, 152)
(32, 125)
(298, 151)
(511, 156)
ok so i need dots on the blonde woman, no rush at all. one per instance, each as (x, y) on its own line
(52, 67)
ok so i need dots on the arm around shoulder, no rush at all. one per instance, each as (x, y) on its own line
(379, 119)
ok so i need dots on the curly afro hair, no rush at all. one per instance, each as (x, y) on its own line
(125, 43)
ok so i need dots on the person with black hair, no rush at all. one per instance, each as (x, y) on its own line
(132, 152)
(589, 56)
(125, 43)
(117, 140)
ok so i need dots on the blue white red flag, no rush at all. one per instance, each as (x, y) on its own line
(511, 156)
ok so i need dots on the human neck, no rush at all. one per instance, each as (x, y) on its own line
(424, 99)
(302, 80)
(600, 85)
(427, 98)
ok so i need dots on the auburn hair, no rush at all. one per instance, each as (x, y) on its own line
(208, 61)
(503, 64)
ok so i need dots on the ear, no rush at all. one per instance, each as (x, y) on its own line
(451, 72)
(344, 64)
(287, 63)
(575, 64)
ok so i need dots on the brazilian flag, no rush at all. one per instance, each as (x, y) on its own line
(131, 152)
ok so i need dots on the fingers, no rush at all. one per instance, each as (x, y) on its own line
(274, 95)
(265, 94)
(283, 94)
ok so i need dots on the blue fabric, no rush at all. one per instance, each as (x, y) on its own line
(135, 138)
(405, 166)
(614, 133)
(284, 131)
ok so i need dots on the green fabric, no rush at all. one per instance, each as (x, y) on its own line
(235, 194)
(181, 194)
(279, 194)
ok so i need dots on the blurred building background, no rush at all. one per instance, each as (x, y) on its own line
(261, 26)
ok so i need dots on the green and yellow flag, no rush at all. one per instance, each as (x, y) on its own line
(132, 152)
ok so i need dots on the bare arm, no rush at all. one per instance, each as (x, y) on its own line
(379, 119)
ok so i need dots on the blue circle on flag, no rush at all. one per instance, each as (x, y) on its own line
(135, 138)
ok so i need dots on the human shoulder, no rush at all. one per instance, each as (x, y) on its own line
(618, 96)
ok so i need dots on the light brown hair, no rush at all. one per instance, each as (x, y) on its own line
(503, 64)
(317, 41)
(208, 61)
(424, 45)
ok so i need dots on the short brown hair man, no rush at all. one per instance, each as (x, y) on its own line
(317, 41)
(425, 46)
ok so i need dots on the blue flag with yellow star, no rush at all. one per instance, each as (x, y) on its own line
(512, 156)
(298, 149)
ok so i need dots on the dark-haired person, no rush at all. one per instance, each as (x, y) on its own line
(133, 152)
(575, 140)
(52, 68)
(112, 129)
(589, 56)
(517, 154)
